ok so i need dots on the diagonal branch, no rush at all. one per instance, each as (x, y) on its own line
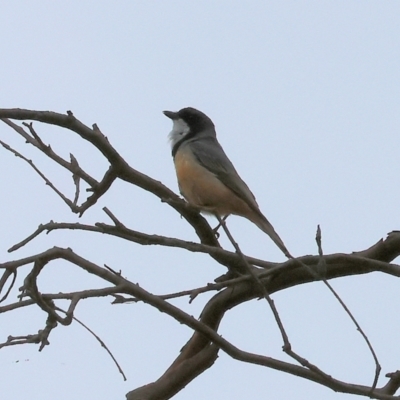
(120, 166)
(37, 142)
(37, 170)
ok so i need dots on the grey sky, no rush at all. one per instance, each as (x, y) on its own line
(305, 98)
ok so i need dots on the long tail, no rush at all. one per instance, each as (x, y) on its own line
(266, 227)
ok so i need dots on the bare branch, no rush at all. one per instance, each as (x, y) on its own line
(84, 294)
(118, 165)
(104, 346)
(393, 385)
(30, 162)
(49, 152)
(261, 286)
(223, 256)
(3, 280)
(75, 177)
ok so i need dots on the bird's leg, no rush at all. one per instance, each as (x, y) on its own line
(215, 230)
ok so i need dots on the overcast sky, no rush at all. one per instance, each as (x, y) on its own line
(305, 97)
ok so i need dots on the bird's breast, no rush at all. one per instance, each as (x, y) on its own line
(202, 188)
(193, 179)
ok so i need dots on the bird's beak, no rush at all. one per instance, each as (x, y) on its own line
(171, 114)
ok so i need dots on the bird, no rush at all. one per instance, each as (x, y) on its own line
(206, 177)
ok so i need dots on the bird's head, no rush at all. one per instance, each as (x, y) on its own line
(188, 122)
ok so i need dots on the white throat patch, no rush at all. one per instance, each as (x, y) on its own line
(179, 130)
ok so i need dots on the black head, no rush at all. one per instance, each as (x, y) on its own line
(196, 120)
(188, 124)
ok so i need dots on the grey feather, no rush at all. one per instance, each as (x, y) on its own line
(210, 155)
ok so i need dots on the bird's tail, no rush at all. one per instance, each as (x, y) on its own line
(266, 227)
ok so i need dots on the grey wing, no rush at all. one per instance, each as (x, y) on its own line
(210, 154)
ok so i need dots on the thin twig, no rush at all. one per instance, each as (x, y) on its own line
(265, 294)
(322, 263)
(37, 142)
(30, 162)
(4, 279)
(113, 218)
(102, 345)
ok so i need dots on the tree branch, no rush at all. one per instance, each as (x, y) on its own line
(121, 167)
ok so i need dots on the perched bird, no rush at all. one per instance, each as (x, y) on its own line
(206, 177)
